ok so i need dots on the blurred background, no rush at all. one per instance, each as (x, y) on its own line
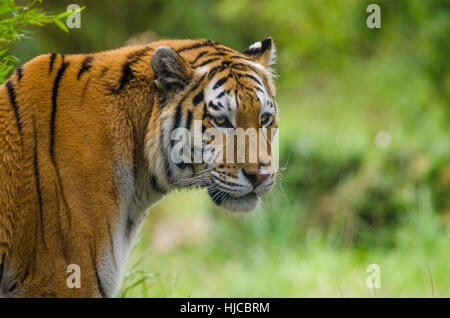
(364, 139)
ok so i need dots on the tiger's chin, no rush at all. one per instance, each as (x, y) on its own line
(245, 203)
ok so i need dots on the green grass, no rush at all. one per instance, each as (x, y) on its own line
(238, 259)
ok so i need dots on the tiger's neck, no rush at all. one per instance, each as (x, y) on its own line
(138, 185)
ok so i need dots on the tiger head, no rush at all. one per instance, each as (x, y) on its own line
(211, 92)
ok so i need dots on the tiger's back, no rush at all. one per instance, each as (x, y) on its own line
(56, 152)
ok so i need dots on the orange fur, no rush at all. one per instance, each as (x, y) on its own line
(79, 140)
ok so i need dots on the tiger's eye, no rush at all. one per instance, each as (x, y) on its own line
(220, 120)
(265, 118)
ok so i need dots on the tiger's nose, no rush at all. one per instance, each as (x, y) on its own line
(254, 178)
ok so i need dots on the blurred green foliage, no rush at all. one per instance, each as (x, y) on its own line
(364, 137)
(310, 34)
(14, 19)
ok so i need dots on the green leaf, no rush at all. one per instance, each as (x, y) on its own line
(61, 25)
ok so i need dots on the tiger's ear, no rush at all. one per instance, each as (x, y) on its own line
(170, 69)
(263, 52)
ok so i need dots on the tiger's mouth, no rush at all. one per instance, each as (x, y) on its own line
(245, 203)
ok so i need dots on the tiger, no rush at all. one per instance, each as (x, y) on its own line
(85, 152)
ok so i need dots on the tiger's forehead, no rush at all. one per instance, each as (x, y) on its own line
(241, 97)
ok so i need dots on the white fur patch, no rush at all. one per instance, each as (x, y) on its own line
(255, 46)
(202, 69)
(226, 103)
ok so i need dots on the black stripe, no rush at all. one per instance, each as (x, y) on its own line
(100, 285)
(244, 67)
(249, 76)
(224, 48)
(189, 120)
(196, 46)
(12, 99)
(52, 61)
(130, 225)
(259, 89)
(136, 55)
(199, 56)
(38, 184)
(209, 54)
(205, 112)
(213, 106)
(182, 165)
(85, 66)
(127, 71)
(220, 82)
(19, 72)
(265, 44)
(214, 70)
(166, 160)
(127, 75)
(194, 87)
(85, 88)
(198, 98)
(177, 119)
(207, 62)
(54, 97)
(221, 94)
(239, 57)
(155, 184)
(58, 78)
(176, 123)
